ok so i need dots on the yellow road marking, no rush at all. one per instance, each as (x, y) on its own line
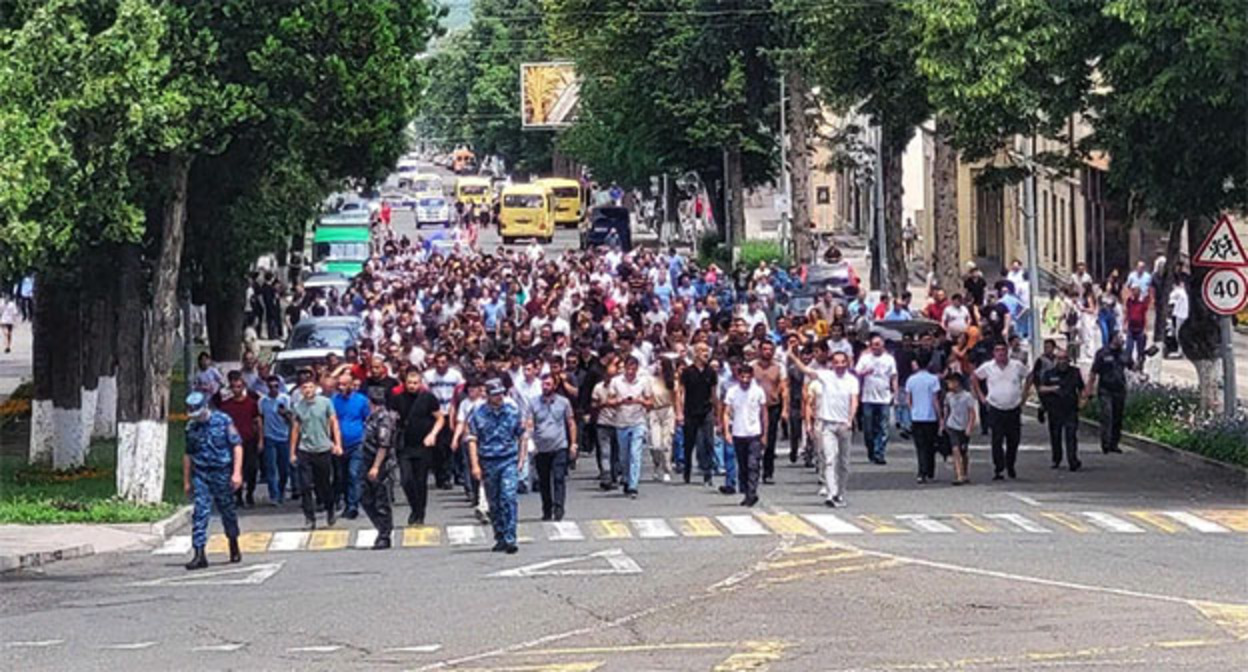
(1157, 520)
(974, 523)
(588, 666)
(1066, 521)
(628, 648)
(423, 535)
(698, 526)
(609, 529)
(217, 544)
(880, 526)
(254, 542)
(812, 548)
(847, 569)
(1235, 519)
(806, 562)
(787, 524)
(757, 656)
(328, 540)
(1230, 617)
(1185, 643)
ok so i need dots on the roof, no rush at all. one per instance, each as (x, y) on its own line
(341, 234)
(559, 182)
(474, 181)
(526, 189)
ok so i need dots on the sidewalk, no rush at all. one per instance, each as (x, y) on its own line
(26, 546)
(15, 366)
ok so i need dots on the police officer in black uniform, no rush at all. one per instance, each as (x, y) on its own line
(377, 487)
(1109, 377)
(1061, 389)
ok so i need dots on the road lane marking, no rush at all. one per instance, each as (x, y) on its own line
(925, 523)
(1112, 523)
(244, 575)
(757, 656)
(329, 648)
(178, 545)
(1156, 520)
(586, 666)
(743, 526)
(653, 528)
(34, 644)
(1021, 522)
(465, 535)
(817, 560)
(1067, 521)
(832, 524)
(617, 563)
(698, 526)
(787, 524)
(1233, 519)
(421, 648)
(1196, 522)
(288, 541)
(1030, 501)
(564, 530)
(844, 569)
(127, 646)
(217, 543)
(365, 538)
(609, 529)
(1230, 617)
(218, 648)
(880, 526)
(421, 536)
(328, 540)
(972, 522)
(254, 542)
(628, 648)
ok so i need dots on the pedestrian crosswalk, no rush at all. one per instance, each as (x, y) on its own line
(1209, 522)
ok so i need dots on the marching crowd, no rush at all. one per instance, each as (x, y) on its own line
(500, 372)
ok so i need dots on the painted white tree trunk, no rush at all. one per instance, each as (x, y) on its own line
(41, 431)
(141, 450)
(67, 449)
(105, 423)
(1209, 382)
(87, 418)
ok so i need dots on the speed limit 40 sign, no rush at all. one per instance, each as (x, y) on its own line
(1225, 291)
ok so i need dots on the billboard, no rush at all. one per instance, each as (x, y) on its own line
(549, 93)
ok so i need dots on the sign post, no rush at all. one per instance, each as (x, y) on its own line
(1225, 292)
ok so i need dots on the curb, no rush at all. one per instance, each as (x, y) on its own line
(162, 528)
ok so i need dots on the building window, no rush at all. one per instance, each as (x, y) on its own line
(822, 195)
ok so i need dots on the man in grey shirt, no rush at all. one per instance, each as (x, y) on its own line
(554, 436)
(314, 437)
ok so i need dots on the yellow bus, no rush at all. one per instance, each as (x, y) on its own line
(473, 190)
(527, 211)
(569, 204)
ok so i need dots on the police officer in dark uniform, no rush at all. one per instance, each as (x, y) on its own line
(1109, 377)
(1061, 388)
(377, 487)
(212, 468)
(495, 452)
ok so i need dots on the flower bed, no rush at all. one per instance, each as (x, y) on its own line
(1172, 415)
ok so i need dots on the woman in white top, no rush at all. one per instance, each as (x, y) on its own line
(661, 419)
(9, 315)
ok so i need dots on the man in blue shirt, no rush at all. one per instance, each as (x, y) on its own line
(493, 310)
(900, 310)
(275, 412)
(923, 397)
(495, 453)
(212, 469)
(352, 410)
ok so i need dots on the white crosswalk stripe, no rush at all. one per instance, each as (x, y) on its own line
(1196, 522)
(564, 530)
(743, 526)
(1111, 523)
(1020, 521)
(176, 545)
(365, 538)
(925, 523)
(832, 524)
(464, 535)
(653, 528)
(289, 541)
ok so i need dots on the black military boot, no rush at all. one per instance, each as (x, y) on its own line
(235, 554)
(198, 561)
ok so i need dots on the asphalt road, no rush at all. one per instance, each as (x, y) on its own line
(1136, 563)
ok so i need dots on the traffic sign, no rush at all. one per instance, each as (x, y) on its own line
(1222, 248)
(1225, 291)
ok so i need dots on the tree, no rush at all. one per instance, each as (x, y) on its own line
(947, 251)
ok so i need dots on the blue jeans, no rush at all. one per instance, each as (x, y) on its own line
(727, 457)
(1137, 343)
(632, 447)
(348, 469)
(903, 416)
(276, 467)
(875, 429)
(678, 445)
(1105, 320)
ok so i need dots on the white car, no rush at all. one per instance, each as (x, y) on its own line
(434, 210)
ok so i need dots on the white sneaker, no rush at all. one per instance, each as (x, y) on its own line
(667, 478)
(823, 492)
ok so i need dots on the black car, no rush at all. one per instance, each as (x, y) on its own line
(608, 224)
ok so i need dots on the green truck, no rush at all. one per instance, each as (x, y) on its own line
(342, 242)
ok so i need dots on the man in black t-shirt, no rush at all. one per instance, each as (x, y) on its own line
(420, 420)
(1109, 377)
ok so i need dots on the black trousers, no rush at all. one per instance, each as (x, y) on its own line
(700, 443)
(1064, 429)
(769, 453)
(314, 475)
(795, 435)
(748, 449)
(1112, 405)
(375, 498)
(414, 477)
(924, 434)
(1006, 428)
(552, 477)
(442, 463)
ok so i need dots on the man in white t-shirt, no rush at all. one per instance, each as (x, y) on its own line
(443, 381)
(745, 420)
(831, 404)
(878, 371)
(956, 317)
(1007, 392)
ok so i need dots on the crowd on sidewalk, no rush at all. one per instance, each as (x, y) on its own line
(500, 372)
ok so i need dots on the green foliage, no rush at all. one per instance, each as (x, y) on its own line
(1172, 415)
(712, 250)
(24, 511)
(754, 252)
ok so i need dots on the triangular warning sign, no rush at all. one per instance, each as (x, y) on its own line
(616, 563)
(1222, 248)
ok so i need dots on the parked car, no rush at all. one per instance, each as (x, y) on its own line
(288, 363)
(433, 210)
(338, 333)
(327, 281)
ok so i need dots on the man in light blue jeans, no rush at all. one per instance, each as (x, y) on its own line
(631, 397)
(275, 409)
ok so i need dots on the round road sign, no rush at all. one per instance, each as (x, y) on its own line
(1225, 291)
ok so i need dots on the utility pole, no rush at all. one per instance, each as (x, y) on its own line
(879, 253)
(727, 218)
(1229, 403)
(786, 187)
(1032, 237)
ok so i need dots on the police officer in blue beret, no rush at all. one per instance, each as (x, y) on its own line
(495, 453)
(213, 468)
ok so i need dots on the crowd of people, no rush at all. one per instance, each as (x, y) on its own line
(498, 372)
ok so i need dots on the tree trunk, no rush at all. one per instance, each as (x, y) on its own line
(945, 210)
(799, 162)
(1201, 335)
(225, 310)
(898, 275)
(149, 314)
(103, 336)
(734, 182)
(56, 409)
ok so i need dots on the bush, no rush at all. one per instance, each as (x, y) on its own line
(711, 250)
(1172, 415)
(754, 252)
